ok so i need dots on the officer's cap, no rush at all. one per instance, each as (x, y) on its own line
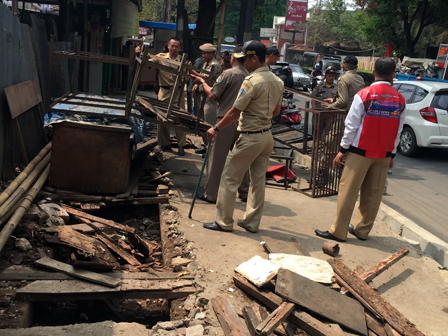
(350, 59)
(251, 48)
(207, 47)
(272, 50)
(330, 70)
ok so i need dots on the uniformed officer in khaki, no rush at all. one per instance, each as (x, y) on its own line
(224, 91)
(327, 89)
(208, 52)
(258, 101)
(166, 84)
(348, 85)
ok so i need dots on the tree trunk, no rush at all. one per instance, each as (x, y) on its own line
(206, 15)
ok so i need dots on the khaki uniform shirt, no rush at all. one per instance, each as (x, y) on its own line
(227, 87)
(348, 85)
(322, 91)
(166, 79)
(259, 95)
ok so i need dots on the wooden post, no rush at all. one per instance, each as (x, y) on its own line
(177, 83)
(15, 6)
(85, 46)
(221, 24)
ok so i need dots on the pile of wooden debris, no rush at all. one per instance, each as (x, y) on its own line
(315, 297)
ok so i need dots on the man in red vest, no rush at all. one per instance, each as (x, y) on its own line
(371, 136)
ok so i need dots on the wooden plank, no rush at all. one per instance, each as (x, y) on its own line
(357, 296)
(375, 326)
(107, 222)
(268, 326)
(228, 318)
(75, 290)
(384, 265)
(39, 275)
(21, 97)
(67, 235)
(336, 326)
(273, 245)
(299, 317)
(390, 331)
(251, 320)
(83, 228)
(389, 313)
(326, 302)
(129, 258)
(263, 313)
(78, 273)
(142, 200)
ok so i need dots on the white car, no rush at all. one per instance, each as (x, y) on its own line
(426, 121)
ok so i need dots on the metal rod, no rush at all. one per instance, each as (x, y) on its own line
(199, 180)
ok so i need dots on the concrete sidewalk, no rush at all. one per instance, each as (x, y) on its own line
(414, 282)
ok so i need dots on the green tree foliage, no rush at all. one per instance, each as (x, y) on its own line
(153, 10)
(332, 22)
(402, 22)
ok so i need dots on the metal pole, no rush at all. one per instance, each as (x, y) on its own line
(199, 180)
(86, 28)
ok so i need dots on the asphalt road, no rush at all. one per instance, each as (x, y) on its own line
(418, 189)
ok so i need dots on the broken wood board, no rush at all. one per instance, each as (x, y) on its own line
(83, 228)
(142, 200)
(251, 319)
(375, 326)
(299, 317)
(89, 246)
(141, 245)
(387, 311)
(272, 245)
(312, 268)
(263, 314)
(268, 326)
(228, 318)
(129, 258)
(23, 96)
(78, 273)
(90, 217)
(257, 270)
(383, 265)
(75, 290)
(319, 299)
(38, 275)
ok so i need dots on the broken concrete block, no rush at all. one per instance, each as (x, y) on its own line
(193, 323)
(190, 302)
(35, 214)
(23, 245)
(54, 210)
(163, 332)
(193, 267)
(169, 325)
(196, 330)
(200, 316)
(179, 261)
(54, 221)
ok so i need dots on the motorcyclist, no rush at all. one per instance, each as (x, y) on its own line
(286, 76)
(317, 71)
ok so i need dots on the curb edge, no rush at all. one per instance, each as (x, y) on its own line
(431, 245)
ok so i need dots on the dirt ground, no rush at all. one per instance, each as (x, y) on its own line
(415, 285)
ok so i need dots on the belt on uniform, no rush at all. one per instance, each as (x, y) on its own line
(255, 132)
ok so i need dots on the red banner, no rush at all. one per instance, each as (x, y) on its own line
(296, 15)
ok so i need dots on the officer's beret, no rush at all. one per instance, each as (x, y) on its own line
(207, 47)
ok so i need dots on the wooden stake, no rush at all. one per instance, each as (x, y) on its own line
(268, 326)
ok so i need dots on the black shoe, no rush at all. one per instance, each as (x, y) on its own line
(200, 151)
(240, 223)
(205, 199)
(214, 226)
(166, 148)
(351, 229)
(181, 151)
(327, 235)
(243, 198)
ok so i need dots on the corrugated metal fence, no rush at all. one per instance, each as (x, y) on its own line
(22, 58)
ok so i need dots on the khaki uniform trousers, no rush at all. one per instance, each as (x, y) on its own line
(163, 131)
(219, 149)
(365, 175)
(210, 115)
(251, 151)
